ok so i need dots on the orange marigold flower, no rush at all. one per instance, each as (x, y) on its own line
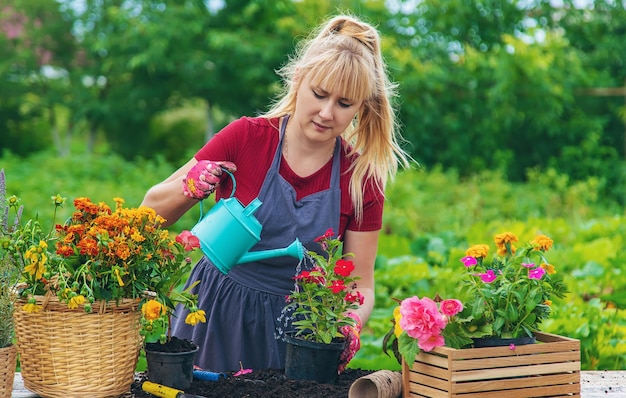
(152, 310)
(503, 240)
(549, 268)
(123, 251)
(477, 251)
(64, 250)
(542, 242)
(88, 246)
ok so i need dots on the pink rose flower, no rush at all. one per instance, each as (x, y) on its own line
(421, 319)
(432, 341)
(451, 307)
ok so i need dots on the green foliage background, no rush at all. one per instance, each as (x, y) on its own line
(431, 217)
(494, 102)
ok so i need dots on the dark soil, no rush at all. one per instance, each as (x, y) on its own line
(173, 345)
(270, 383)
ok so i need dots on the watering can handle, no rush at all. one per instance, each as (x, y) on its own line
(232, 193)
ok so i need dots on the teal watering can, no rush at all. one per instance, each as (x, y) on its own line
(229, 230)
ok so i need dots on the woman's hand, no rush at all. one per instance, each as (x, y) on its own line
(353, 342)
(203, 177)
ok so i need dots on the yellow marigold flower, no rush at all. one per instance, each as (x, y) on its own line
(548, 302)
(502, 240)
(31, 308)
(152, 310)
(137, 236)
(542, 242)
(43, 244)
(477, 251)
(397, 330)
(195, 317)
(75, 301)
(549, 268)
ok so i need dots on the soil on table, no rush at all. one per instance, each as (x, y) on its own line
(270, 383)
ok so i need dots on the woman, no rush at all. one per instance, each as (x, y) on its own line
(318, 159)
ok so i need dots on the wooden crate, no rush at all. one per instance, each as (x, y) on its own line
(549, 368)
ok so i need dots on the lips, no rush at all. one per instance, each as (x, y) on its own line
(320, 127)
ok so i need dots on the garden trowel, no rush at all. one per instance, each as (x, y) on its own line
(162, 391)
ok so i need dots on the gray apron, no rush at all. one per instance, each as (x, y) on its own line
(243, 308)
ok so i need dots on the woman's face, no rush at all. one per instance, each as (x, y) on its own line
(322, 113)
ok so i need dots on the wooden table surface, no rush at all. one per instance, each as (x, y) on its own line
(593, 384)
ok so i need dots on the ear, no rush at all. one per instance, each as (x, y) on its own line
(297, 77)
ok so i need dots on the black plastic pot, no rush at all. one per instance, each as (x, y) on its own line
(500, 342)
(171, 369)
(308, 360)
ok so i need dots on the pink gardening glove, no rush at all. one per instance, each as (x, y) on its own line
(353, 342)
(203, 177)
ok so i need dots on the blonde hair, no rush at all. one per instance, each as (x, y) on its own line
(344, 53)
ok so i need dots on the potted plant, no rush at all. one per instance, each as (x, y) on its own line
(318, 307)
(82, 286)
(9, 275)
(503, 299)
(170, 360)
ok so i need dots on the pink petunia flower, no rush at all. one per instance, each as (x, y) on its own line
(469, 261)
(488, 276)
(536, 273)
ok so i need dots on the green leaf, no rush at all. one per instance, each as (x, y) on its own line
(408, 348)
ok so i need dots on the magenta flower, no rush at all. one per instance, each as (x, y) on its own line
(527, 265)
(469, 261)
(451, 307)
(536, 273)
(488, 276)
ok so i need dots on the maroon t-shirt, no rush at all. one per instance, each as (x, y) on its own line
(250, 143)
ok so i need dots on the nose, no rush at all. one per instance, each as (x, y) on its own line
(326, 111)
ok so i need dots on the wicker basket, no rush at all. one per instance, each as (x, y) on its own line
(71, 353)
(7, 370)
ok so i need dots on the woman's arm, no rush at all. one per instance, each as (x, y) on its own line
(363, 245)
(167, 198)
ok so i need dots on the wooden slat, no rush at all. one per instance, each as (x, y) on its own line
(508, 384)
(551, 392)
(520, 360)
(489, 374)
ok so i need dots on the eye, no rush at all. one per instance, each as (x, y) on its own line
(317, 95)
(344, 104)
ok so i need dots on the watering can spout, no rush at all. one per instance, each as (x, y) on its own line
(295, 249)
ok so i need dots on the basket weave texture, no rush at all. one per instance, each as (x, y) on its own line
(71, 353)
(7, 370)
